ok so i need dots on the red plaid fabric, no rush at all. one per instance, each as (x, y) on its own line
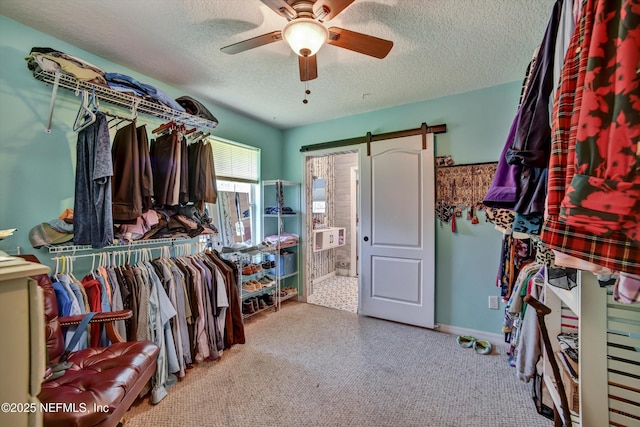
(615, 251)
(604, 194)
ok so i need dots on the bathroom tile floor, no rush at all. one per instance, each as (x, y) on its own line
(339, 292)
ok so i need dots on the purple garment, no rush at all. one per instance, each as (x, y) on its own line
(627, 289)
(531, 146)
(503, 192)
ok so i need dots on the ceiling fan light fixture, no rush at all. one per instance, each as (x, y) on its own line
(305, 36)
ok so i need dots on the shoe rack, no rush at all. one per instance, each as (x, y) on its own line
(258, 285)
(287, 255)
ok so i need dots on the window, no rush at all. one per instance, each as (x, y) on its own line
(236, 204)
(237, 173)
(235, 163)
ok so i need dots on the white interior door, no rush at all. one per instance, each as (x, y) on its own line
(397, 239)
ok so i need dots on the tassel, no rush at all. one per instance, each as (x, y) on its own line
(453, 224)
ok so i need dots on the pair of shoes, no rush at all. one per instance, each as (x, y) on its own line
(465, 341)
(247, 307)
(290, 290)
(251, 285)
(250, 269)
(267, 265)
(269, 298)
(480, 346)
(266, 246)
(266, 281)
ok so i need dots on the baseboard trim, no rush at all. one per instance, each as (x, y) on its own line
(455, 330)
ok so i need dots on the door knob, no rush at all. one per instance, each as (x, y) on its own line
(366, 239)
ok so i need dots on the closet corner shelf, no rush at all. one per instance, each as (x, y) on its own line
(555, 396)
(570, 298)
(56, 249)
(120, 99)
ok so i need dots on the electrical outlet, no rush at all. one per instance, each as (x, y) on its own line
(494, 303)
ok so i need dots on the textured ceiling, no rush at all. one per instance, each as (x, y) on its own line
(441, 47)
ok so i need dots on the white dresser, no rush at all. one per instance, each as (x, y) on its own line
(22, 341)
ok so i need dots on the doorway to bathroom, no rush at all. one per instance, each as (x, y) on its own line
(331, 261)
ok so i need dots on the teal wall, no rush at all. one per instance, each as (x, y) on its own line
(477, 125)
(37, 169)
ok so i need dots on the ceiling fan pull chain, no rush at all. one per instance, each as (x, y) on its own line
(306, 92)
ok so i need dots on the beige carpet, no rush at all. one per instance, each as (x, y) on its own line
(314, 366)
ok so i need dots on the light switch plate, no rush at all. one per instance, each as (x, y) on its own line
(494, 302)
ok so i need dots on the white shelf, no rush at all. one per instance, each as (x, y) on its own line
(289, 296)
(555, 396)
(289, 275)
(590, 300)
(125, 100)
(570, 298)
(286, 223)
(328, 238)
(283, 182)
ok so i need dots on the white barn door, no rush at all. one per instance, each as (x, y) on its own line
(397, 235)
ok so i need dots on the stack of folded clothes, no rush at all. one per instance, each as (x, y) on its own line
(274, 210)
(55, 232)
(569, 352)
(54, 61)
(123, 83)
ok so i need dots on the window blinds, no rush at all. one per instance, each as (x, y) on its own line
(235, 162)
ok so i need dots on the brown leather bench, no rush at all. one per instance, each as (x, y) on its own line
(102, 383)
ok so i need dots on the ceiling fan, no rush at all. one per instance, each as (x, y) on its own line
(306, 33)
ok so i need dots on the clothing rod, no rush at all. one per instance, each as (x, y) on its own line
(97, 254)
(362, 139)
(136, 243)
(199, 246)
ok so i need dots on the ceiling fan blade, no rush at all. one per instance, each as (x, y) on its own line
(308, 68)
(252, 43)
(358, 42)
(281, 7)
(331, 7)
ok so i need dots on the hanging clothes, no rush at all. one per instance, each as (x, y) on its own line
(613, 249)
(146, 173)
(604, 193)
(202, 174)
(170, 165)
(92, 215)
(530, 147)
(127, 197)
(188, 306)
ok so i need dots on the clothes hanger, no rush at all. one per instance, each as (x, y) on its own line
(71, 262)
(86, 116)
(164, 126)
(93, 262)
